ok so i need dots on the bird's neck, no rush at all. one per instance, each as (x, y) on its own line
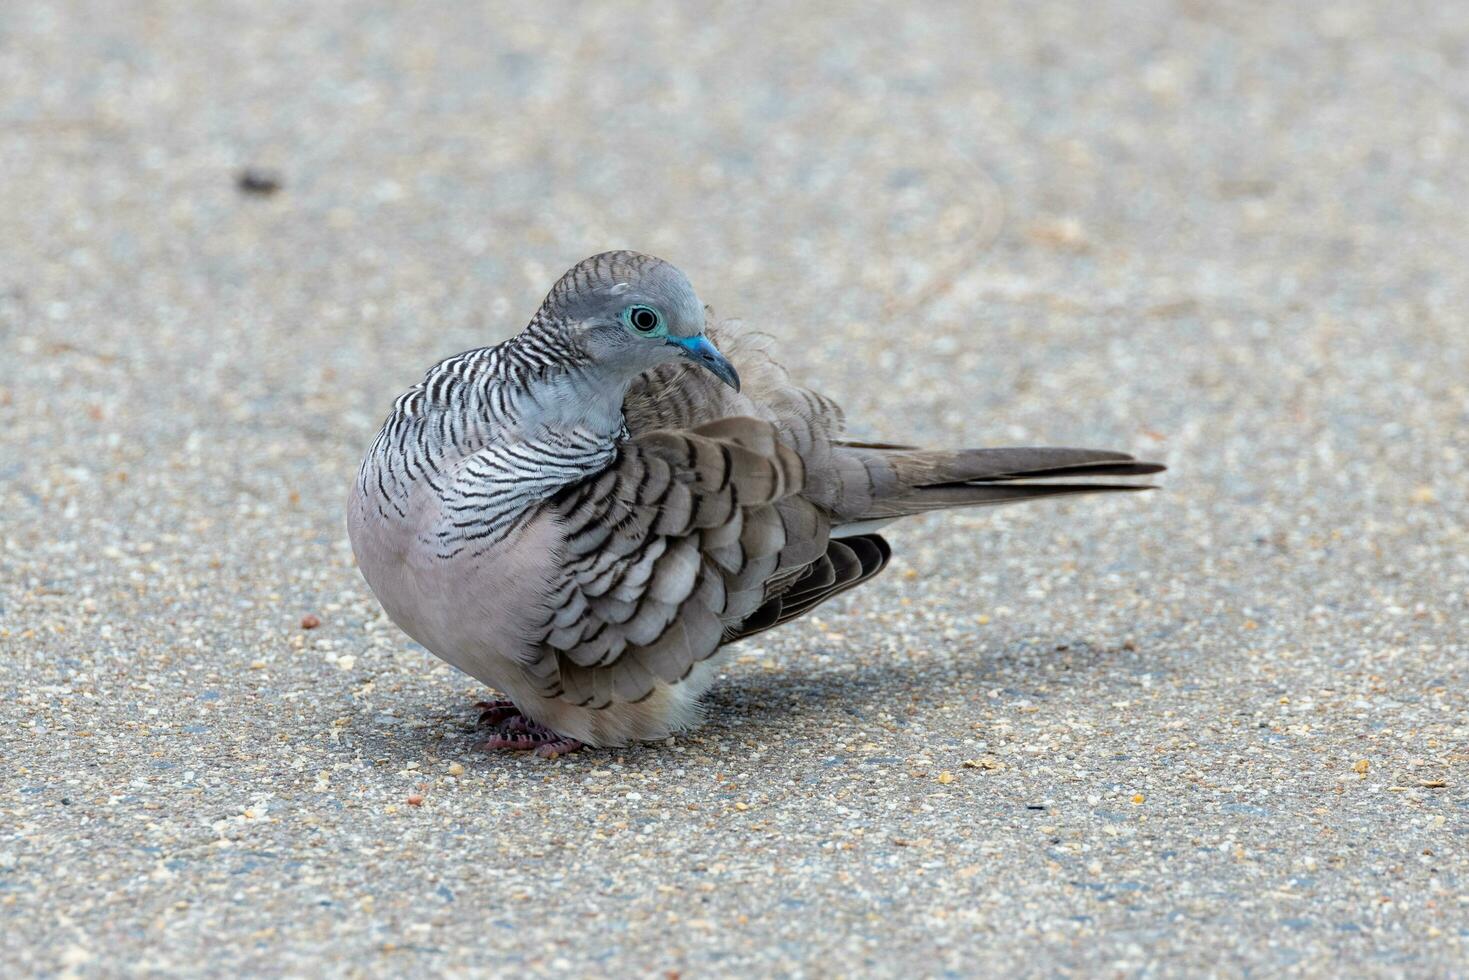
(587, 405)
(560, 389)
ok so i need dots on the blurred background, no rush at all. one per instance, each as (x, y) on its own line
(1230, 236)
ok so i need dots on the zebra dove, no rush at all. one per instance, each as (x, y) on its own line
(583, 516)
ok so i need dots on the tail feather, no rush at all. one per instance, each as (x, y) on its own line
(1120, 468)
(890, 483)
(931, 467)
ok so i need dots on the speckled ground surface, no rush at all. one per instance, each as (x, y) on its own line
(1222, 728)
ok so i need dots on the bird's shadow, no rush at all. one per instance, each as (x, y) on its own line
(787, 708)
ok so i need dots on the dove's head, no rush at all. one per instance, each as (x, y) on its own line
(631, 312)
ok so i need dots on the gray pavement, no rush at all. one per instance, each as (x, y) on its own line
(1220, 729)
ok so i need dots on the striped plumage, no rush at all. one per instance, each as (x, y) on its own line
(584, 515)
(446, 435)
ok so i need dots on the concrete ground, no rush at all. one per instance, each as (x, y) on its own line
(1222, 728)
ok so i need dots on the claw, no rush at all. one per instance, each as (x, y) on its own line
(558, 748)
(516, 732)
(494, 712)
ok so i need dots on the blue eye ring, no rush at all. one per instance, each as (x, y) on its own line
(642, 319)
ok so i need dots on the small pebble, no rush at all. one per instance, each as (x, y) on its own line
(986, 762)
(259, 180)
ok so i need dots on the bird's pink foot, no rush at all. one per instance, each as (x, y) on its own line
(514, 731)
(494, 712)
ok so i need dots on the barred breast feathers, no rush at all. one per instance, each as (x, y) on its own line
(471, 434)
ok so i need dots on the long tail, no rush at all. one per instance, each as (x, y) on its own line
(868, 485)
(880, 482)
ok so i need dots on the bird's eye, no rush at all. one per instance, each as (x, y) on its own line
(643, 319)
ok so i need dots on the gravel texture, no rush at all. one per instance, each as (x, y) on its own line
(1221, 728)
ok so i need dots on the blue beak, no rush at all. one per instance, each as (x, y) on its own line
(706, 355)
